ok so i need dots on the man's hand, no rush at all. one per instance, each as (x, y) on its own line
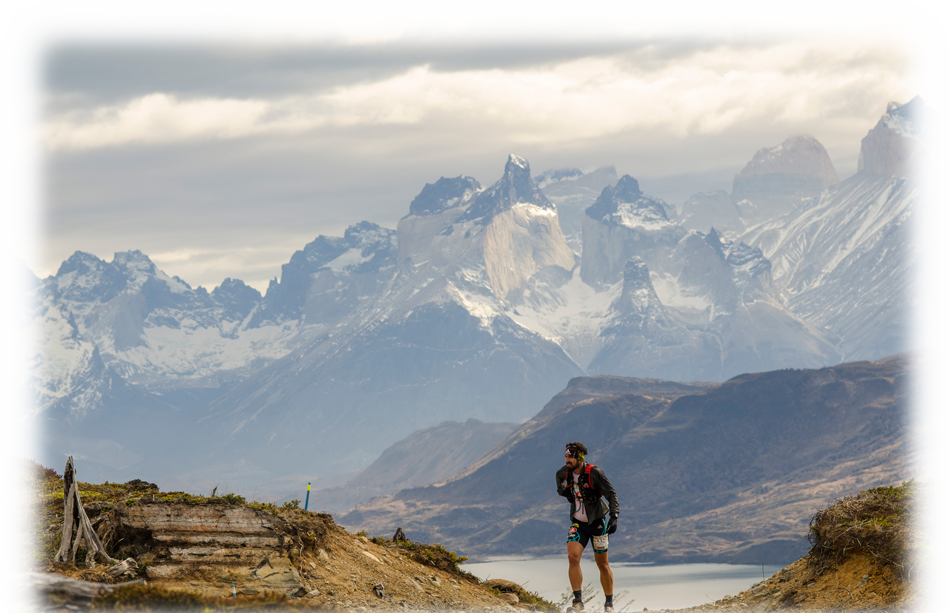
(612, 524)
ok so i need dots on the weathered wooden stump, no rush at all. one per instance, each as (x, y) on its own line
(74, 517)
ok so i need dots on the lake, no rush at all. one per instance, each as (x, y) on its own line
(636, 586)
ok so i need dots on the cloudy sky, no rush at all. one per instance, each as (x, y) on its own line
(221, 159)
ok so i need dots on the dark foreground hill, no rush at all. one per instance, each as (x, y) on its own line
(731, 473)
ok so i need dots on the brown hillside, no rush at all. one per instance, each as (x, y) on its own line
(218, 552)
(862, 559)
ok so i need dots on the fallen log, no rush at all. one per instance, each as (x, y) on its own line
(48, 591)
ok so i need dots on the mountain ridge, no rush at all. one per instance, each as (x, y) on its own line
(728, 473)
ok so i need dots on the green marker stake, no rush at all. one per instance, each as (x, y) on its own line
(307, 501)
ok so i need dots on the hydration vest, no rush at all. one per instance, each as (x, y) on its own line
(590, 492)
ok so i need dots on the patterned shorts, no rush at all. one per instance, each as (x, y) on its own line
(582, 532)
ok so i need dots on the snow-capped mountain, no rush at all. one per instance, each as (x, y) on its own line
(777, 178)
(476, 306)
(431, 341)
(155, 330)
(43, 357)
(844, 260)
(775, 181)
(700, 308)
(572, 191)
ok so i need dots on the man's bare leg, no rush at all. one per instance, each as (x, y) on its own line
(606, 575)
(574, 551)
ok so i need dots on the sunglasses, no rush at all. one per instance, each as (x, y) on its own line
(571, 452)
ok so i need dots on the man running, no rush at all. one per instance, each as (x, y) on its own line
(586, 486)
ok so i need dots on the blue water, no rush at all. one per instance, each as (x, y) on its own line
(636, 586)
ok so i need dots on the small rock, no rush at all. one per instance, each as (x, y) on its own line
(313, 566)
(127, 568)
(313, 593)
(436, 580)
(509, 597)
(323, 555)
(379, 589)
(765, 606)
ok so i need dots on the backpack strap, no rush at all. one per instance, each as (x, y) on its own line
(589, 482)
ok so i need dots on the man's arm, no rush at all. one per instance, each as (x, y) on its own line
(562, 488)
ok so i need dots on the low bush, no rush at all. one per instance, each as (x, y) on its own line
(875, 522)
(430, 555)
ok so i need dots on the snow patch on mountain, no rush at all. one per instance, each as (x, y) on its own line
(479, 306)
(677, 296)
(194, 351)
(350, 258)
(572, 318)
(60, 352)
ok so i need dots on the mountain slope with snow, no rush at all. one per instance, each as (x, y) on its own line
(844, 260)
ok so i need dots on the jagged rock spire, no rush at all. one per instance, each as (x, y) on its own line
(514, 187)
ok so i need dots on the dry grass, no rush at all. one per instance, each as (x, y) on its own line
(875, 522)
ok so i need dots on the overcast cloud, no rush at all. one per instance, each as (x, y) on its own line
(222, 161)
